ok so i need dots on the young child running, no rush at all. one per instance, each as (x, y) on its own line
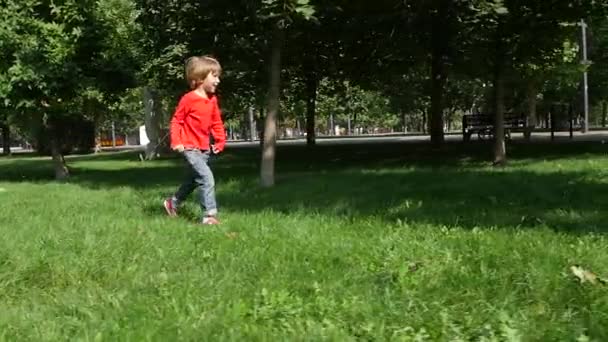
(197, 118)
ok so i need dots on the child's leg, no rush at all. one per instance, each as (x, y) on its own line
(185, 189)
(203, 177)
(207, 193)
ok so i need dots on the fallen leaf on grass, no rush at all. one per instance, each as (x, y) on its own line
(414, 266)
(232, 235)
(586, 276)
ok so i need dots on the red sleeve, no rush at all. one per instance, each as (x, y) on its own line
(217, 128)
(177, 122)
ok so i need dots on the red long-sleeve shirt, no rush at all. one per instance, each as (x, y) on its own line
(195, 120)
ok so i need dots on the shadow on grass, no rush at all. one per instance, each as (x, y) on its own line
(324, 157)
(466, 198)
(414, 183)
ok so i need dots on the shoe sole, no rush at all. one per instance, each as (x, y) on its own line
(168, 209)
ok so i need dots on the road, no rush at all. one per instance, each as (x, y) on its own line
(452, 137)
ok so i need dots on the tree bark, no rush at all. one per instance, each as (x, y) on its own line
(260, 124)
(500, 153)
(250, 117)
(439, 49)
(349, 126)
(311, 103)
(604, 112)
(531, 91)
(436, 112)
(152, 121)
(59, 165)
(448, 124)
(270, 126)
(424, 122)
(6, 139)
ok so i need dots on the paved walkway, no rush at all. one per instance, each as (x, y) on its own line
(561, 137)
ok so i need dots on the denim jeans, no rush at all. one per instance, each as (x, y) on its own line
(200, 176)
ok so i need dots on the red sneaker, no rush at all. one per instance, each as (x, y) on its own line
(170, 207)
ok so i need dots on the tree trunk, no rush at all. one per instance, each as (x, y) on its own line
(97, 130)
(260, 124)
(604, 112)
(152, 107)
(424, 125)
(532, 91)
(270, 127)
(61, 169)
(439, 49)
(6, 139)
(298, 128)
(500, 153)
(311, 102)
(448, 124)
(348, 124)
(436, 113)
(251, 119)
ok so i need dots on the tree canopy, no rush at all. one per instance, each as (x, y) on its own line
(300, 64)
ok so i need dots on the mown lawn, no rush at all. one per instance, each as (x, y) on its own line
(355, 242)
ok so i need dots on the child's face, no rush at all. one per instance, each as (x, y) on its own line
(210, 82)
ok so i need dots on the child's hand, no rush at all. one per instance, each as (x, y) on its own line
(179, 148)
(214, 149)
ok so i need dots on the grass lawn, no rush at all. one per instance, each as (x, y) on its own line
(357, 242)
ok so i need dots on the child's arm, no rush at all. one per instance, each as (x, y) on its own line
(217, 129)
(175, 129)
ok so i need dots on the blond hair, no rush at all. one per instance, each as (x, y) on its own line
(197, 69)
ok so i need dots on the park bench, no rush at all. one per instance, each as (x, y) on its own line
(483, 125)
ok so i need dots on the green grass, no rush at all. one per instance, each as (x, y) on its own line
(327, 254)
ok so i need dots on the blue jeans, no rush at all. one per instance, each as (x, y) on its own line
(200, 176)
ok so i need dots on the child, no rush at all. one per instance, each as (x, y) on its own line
(197, 118)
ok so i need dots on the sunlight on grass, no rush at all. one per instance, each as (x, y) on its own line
(372, 251)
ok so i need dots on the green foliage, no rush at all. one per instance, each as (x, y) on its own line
(364, 108)
(65, 59)
(598, 56)
(282, 11)
(126, 112)
(88, 58)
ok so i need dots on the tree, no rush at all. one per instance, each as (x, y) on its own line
(503, 37)
(598, 70)
(59, 61)
(314, 51)
(6, 135)
(44, 68)
(280, 13)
